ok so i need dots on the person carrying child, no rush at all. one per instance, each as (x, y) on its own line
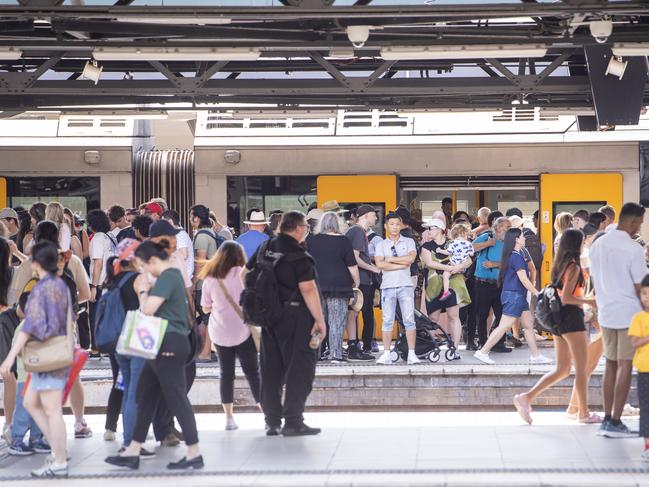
(459, 249)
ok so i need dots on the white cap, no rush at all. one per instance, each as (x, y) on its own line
(435, 222)
(516, 221)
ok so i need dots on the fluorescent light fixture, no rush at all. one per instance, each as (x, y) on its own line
(10, 53)
(215, 20)
(175, 54)
(92, 71)
(398, 53)
(616, 67)
(631, 49)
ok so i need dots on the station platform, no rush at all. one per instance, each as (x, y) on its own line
(466, 384)
(371, 449)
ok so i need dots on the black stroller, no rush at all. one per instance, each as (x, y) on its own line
(428, 344)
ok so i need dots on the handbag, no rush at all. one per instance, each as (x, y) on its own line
(52, 354)
(141, 335)
(254, 330)
(548, 305)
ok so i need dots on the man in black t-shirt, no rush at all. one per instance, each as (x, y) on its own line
(285, 353)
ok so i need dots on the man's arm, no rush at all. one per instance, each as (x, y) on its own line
(406, 259)
(384, 265)
(364, 265)
(311, 296)
(478, 246)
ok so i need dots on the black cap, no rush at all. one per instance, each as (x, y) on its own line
(365, 209)
(162, 228)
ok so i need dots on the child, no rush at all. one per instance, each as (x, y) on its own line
(639, 334)
(459, 249)
(23, 422)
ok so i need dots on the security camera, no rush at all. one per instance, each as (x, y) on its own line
(358, 34)
(601, 30)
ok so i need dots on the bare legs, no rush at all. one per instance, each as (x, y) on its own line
(617, 381)
(46, 409)
(9, 398)
(568, 347)
(594, 353)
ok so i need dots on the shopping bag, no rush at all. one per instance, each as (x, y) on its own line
(141, 335)
(80, 357)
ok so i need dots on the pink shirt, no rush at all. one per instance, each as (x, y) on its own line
(225, 327)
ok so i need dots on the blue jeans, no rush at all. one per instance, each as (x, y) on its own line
(405, 296)
(23, 422)
(130, 367)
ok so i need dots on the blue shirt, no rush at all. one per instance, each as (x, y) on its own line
(511, 282)
(492, 254)
(251, 240)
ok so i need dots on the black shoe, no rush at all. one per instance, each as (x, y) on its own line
(144, 453)
(130, 462)
(273, 430)
(355, 354)
(501, 349)
(300, 430)
(516, 342)
(184, 464)
(472, 347)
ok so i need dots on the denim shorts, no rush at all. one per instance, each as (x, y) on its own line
(405, 296)
(514, 303)
(47, 382)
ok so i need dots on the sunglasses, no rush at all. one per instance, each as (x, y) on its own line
(394, 251)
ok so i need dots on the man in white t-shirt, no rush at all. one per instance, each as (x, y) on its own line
(394, 255)
(184, 244)
(617, 266)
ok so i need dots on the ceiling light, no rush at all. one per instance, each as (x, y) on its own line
(175, 54)
(601, 30)
(92, 71)
(631, 49)
(398, 53)
(10, 53)
(358, 34)
(616, 67)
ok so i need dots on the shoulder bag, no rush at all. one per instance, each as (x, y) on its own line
(52, 354)
(254, 330)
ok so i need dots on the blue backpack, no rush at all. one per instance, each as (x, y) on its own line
(109, 317)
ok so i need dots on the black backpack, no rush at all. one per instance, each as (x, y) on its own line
(548, 305)
(533, 247)
(217, 238)
(260, 300)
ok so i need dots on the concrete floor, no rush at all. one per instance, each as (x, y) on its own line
(358, 449)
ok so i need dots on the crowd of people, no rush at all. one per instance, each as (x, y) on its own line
(476, 277)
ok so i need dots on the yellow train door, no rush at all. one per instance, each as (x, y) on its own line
(571, 192)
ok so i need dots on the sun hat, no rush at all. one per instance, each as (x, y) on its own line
(125, 252)
(8, 213)
(332, 205)
(257, 218)
(314, 214)
(435, 222)
(356, 301)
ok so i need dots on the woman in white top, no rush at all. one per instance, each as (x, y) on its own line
(55, 212)
(222, 287)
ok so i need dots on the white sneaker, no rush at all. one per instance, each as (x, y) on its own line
(230, 424)
(645, 456)
(540, 359)
(413, 359)
(50, 469)
(6, 433)
(109, 435)
(483, 357)
(384, 359)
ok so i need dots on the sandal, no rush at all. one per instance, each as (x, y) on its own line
(630, 410)
(574, 416)
(523, 408)
(592, 418)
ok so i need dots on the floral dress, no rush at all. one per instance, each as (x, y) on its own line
(46, 314)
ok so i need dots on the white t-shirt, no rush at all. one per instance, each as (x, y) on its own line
(402, 247)
(617, 263)
(184, 241)
(65, 237)
(101, 247)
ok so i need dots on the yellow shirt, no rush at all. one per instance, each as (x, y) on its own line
(640, 328)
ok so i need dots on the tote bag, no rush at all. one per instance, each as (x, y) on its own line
(141, 335)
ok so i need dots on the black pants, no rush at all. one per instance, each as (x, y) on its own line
(368, 315)
(165, 378)
(487, 296)
(467, 313)
(247, 354)
(643, 399)
(83, 325)
(163, 418)
(287, 359)
(114, 398)
(92, 307)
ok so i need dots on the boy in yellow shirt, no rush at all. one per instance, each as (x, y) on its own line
(639, 334)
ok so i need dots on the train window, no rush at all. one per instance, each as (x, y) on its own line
(80, 194)
(268, 193)
(644, 174)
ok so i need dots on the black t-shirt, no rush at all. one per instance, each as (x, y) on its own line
(289, 274)
(127, 232)
(333, 255)
(358, 238)
(432, 247)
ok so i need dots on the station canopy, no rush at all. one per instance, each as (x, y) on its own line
(582, 56)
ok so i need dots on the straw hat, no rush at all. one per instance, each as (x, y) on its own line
(356, 301)
(332, 205)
